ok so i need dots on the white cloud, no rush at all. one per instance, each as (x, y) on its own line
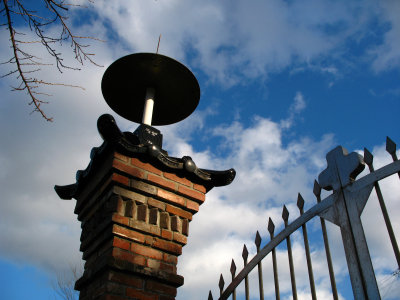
(230, 41)
(387, 55)
(298, 105)
(224, 38)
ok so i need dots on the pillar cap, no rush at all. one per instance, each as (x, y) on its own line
(127, 144)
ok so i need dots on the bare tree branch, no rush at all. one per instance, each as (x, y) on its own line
(64, 284)
(38, 23)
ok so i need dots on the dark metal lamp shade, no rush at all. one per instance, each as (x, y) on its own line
(124, 85)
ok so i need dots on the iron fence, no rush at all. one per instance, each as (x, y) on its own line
(343, 208)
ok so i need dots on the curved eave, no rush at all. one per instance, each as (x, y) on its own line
(115, 140)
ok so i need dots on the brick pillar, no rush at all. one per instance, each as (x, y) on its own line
(135, 210)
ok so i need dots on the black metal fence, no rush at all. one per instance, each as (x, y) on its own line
(343, 208)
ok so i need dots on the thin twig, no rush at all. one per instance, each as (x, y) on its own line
(24, 59)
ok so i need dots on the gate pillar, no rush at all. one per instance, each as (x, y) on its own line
(135, 204)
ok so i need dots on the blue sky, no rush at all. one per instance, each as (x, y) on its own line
(282, 83)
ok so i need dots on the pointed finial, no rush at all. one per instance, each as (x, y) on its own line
(221, 283)
(285, 214)
(271, 227)
(233, 268)
(210, 297)
(368, 157)
(245, 254)
(390, 146)
(300, 202)
(258, 240)
(317, 189)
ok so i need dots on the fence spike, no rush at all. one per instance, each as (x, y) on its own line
(233, 268)
(300, 202)
(245, 254)
(285, 214)
(221, 283)
(258, 240)
(390, 146)
(210, 297)
(368, 157)
(317, 189)
(271, 227)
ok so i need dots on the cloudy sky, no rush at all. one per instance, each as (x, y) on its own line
(282, 83)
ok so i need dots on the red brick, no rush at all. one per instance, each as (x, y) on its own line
(179, 212)
(128, 256)
(120, 219)
(146, 251)
(121, 243)
(148, 240)
(200, 188)
(145, 166)
(175, 178)
(153, 264)
(192, 193)
(135, 172)
(166, 234)
(129, 194)
(180, 238)
(170, 258)
(121, 157)
(137, 294)
(193, 206)
(144, 187)
(95, 293)
(144, 227)
(126, 279)
(168, 268)
(161, 288)
(167, 246)
(119, 178)
(156, 203)
(171, 197)
(115, 288)
(128, 233)
(162, 182)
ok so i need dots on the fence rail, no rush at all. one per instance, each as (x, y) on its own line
(342, 208)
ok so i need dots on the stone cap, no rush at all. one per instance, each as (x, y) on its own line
(128, 144)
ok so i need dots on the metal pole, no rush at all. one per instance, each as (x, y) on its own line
(285, 217)
(300, 205)
(317, 193)
(148, 106)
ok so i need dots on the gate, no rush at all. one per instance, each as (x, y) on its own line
(343, 208)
